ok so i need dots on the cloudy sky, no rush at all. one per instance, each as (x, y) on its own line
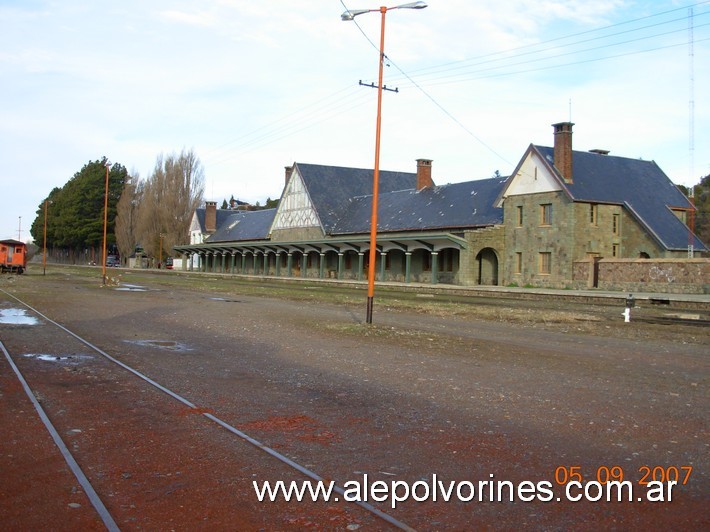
(251, 87)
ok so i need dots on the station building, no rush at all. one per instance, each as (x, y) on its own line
(557, 208)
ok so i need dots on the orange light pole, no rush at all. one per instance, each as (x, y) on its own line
(103, 254)
(346, 16)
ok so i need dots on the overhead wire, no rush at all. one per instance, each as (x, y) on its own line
(516, 50)
(289, 124)
(473, 75)
(347, 98)
(287, 128)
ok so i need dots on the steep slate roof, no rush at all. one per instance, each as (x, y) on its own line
(639, 185)
(243, 225)
(332, 187)
(222, 215)
(452, 206)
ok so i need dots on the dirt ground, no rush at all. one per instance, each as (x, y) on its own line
(469, 389)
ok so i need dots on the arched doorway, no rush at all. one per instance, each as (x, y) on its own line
(487, 266)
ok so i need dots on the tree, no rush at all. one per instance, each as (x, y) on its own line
(127, 216)
(75, 218)
(224, 204)
(170, 196)
(702, 214)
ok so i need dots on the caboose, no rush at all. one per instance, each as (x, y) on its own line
(13, 256)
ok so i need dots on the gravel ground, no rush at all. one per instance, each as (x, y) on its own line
(468, 390)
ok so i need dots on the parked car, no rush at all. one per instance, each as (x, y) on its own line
(112, 261)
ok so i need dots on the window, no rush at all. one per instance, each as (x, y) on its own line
(518, 262)
(546, 214)
(615, 223)
(545, 260)
(615, 250)
(593, 213)
(682, 215)
(519, 209)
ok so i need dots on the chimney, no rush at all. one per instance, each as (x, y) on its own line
(210, 216)
(424, 174)
(288, 170)
(563, 150)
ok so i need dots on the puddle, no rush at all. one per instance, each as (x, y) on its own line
(70, 359)
(17, 316)
(131, 288)
(161, 344)
(225, 300)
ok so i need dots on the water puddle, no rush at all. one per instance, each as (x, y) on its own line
(67, 359)
(131, 288)
(161, 344)
(225, 300)
(16, 316)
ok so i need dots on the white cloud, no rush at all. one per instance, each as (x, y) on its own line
(196, 18)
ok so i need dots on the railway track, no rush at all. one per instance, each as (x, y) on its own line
(94, 495)
(454, 395)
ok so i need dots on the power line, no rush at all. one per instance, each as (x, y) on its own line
(473, 75)
(349, 97)
(572, 52)
(516, 49)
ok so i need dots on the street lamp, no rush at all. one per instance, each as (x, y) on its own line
(103, 255)
(160, 256)
(350, 14)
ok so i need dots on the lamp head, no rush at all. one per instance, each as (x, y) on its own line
(352, 13)
(413, 5)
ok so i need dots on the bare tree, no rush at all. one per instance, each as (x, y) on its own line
(170, 196)
(127, 215)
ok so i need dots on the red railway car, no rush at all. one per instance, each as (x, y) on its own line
(13, 256)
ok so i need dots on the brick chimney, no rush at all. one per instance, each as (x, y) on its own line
(424, 174)
(210, 216)
(563, 150)
(288, 171)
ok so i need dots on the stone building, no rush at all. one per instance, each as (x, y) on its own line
(558, 207)
(562, 206)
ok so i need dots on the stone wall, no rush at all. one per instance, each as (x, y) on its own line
(533, 237)
(492, 238)
(673, 276)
